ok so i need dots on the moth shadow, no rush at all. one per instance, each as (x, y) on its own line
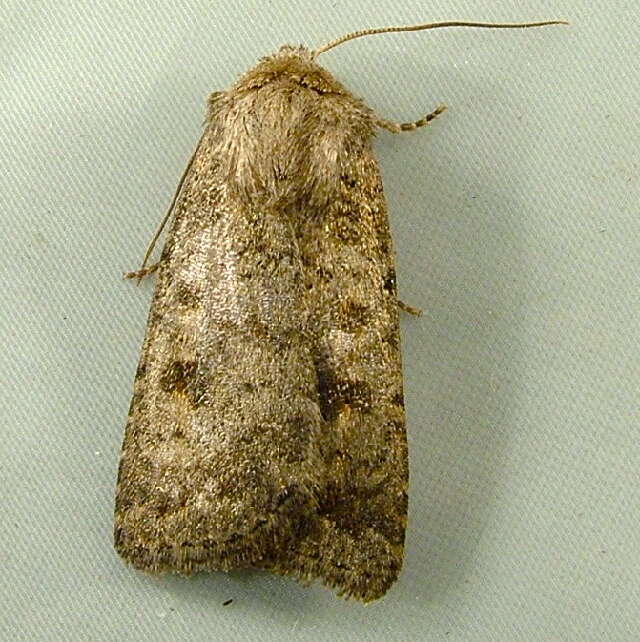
(256, 591)
(464, 266)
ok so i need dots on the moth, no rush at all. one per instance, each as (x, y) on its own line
(267, 425)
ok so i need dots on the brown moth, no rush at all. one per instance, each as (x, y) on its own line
(267, 424)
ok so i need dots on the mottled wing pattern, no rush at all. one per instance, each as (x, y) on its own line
(221, 462)
(267, 423)
(357, 546)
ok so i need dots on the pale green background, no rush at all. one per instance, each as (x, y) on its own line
(516, 219)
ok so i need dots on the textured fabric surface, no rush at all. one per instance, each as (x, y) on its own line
(516, 219)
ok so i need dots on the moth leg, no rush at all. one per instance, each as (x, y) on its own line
(140, 274)
(396, 128)
(416, 312)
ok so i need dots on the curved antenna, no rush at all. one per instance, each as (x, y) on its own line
(434, 25)
(172, 206)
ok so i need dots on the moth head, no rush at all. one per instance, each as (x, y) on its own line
(290, 64)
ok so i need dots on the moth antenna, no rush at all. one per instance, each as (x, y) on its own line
(434, 25)
(172, 206)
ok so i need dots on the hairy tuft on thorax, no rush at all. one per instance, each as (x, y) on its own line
(285, 130)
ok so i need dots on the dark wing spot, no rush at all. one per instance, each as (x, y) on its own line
(390, 282)
(348, 181)
(182, 377)
(187, 296)
(325, 392)
(398, 399)
(177, 376)
(352, 316)
(141, 371)
(334, 394)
